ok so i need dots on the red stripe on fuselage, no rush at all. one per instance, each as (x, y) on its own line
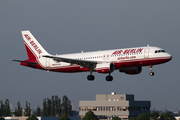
(118, 65)
(141, 62)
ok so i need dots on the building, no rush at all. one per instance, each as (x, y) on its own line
(177, 117)
(107, 106)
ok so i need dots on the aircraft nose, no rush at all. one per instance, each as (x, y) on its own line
(169, 56)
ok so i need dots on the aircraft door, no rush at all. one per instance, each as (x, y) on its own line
(146, 53)
(47, 62)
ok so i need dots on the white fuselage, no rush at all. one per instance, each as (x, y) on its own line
(139, 54)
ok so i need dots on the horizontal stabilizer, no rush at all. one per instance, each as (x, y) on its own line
(25, 61)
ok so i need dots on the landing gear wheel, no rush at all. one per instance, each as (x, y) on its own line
(90, 77)
(109, 78)
(151, 73)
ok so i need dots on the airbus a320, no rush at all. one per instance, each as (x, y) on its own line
(128, 60)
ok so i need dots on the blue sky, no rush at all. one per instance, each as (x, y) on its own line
(71, 26)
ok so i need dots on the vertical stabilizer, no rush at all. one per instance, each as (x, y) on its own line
(33, 47)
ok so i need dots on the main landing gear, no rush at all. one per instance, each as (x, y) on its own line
(151, 73)
(109, 78)
(91, 77)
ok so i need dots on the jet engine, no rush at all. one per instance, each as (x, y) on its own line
(105, 67)
(131, 70)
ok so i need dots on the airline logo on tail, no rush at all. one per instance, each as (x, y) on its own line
(27, 37)
(33, 44)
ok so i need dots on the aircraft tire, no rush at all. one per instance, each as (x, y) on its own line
(109, 78)
(151, 73)
(90, 77)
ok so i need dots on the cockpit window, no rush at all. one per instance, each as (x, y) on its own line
(163, 51)
(159, 51)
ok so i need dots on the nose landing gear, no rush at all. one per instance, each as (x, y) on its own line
(109, 77)
(151, 73)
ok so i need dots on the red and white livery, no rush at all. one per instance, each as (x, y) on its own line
(128, 60)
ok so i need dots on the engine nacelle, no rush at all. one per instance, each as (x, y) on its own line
(132, 70)
(105, 67)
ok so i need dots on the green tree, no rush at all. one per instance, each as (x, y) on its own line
(7, 108)
(27, 109)
(32, 117)
(58, 105)
(66, 106)
(53, 106)
(142, 117)
(64, 117)
(166, 116)
(38, 111)
(116, 118)
(154, 115)
(4, 108)
(2, 111)
(90, 116)
(132, 118)
(18, 110)
(69, 111)
(44, 108)
(48, 107)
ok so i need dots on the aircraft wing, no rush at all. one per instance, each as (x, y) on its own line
(84, 63)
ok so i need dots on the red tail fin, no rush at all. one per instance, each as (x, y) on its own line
(31, 56)
(33, 47)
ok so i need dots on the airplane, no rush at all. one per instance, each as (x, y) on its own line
(128, 60)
